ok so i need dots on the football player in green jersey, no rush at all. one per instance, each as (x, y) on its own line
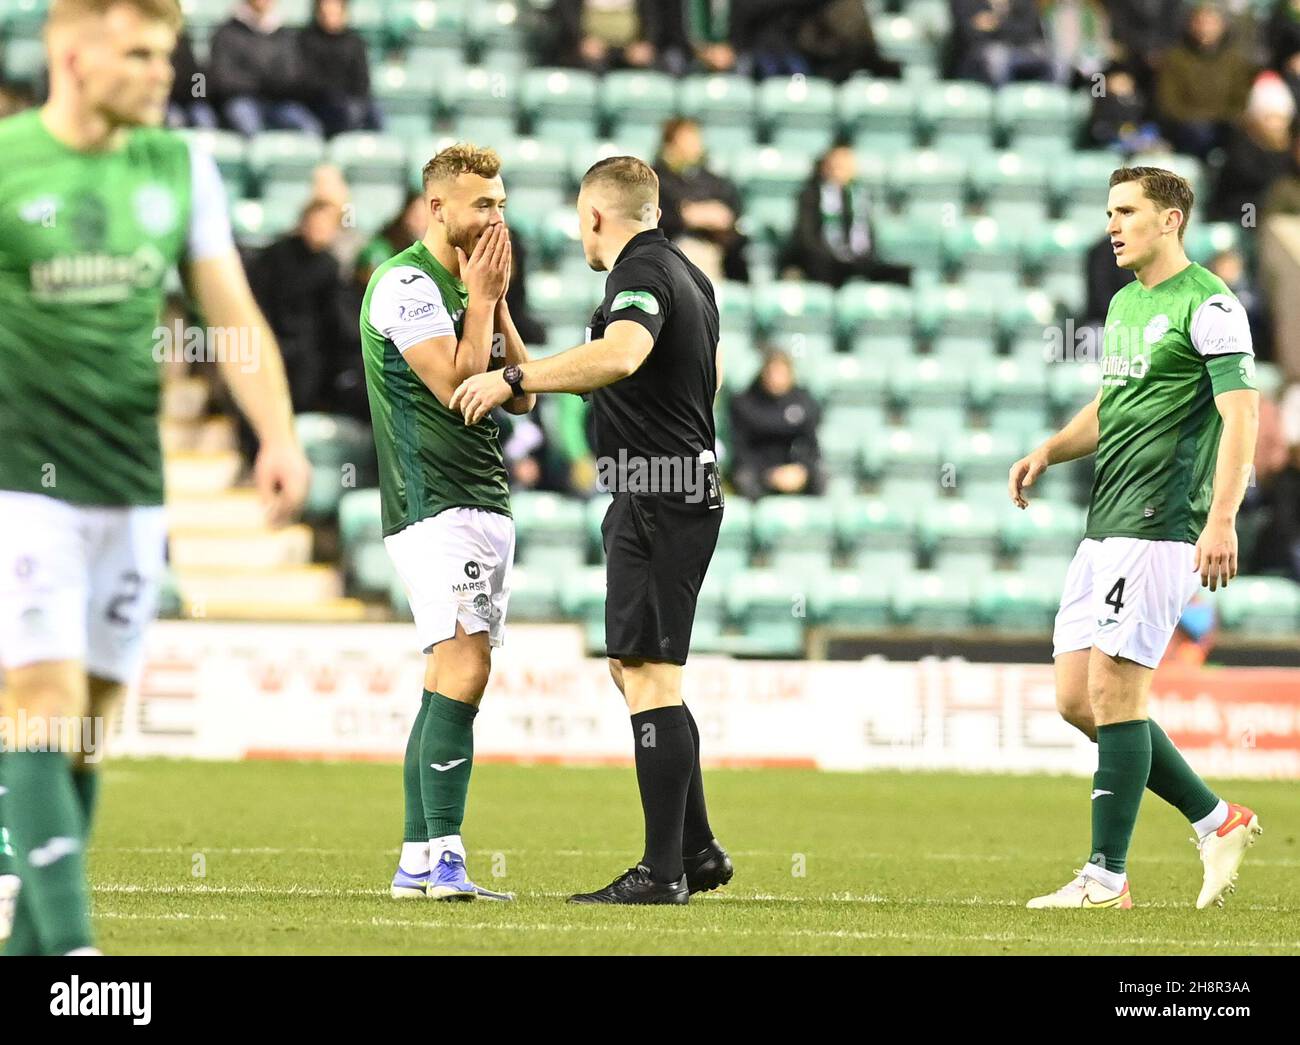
(432, 316)
(97, 202)
(1173, 428)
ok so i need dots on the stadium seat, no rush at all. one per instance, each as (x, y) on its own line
(1071, 385)
(735, 539)
(368, 19)
(799, 315)
(1012, 186)
(1025, 314)
(637, 98)
(406, 92)
(1260, 605)
(1044, 536)
(548, 519)
(373, 206)
(769, 607)
(284, 156)
(840, 436)
(536, 175)
(932, 394)
(563, 302)
(560, 104)
(582, 598)
(1060, 247)
(876, 535)
(1206, 239)
(874, 319)
(1038, 117)
(847, 381)
(1017, 602)
(961, 537)
(981, 461)
(359, 517)
(342, 455)
(909, 242)
(1013, 397)
(480, 104)
(985, 256)
(957, 321)
(930, 601)
(905, 39)
(419, 23)
(735, 306)
(879, 115)
(366, 157)
(957, 116)
(857, 600)
(534, 595)
(230, 151)
(797, 114)
(905, 464)
(797, 533)
(1083, 184)
(724, 106)
(930, 184)
(23, 61)
(496, 25)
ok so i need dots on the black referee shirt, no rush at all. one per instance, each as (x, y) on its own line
(665, 409)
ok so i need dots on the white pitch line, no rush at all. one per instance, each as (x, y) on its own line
(288, 892)
(817, 934)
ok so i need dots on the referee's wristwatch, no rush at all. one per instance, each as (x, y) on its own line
(514, 376)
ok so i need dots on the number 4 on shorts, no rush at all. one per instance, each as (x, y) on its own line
(1115, 597)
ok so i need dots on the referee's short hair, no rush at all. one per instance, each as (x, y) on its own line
(632, 184)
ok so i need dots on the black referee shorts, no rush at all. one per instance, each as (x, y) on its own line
(657, 550)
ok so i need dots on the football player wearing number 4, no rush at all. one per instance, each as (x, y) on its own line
(1173, 427)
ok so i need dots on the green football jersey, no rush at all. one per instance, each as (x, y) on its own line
(429, 459)
(1168, 351)
(86, 240)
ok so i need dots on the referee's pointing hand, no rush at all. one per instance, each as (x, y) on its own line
(478, 395)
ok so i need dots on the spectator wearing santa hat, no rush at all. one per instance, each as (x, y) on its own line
(1258, 151)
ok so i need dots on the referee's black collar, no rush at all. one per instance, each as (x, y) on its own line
(648, 236)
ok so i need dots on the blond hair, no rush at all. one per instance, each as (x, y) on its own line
(1163, 188)
(634, 183)
(461, 158)
(63, 11)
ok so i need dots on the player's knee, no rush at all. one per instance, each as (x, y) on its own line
(616, 672)
(1076, 709)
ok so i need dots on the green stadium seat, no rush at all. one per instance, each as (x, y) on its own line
(1083, 184)
(427, 23)
(530, 163)
(797, 113)
(1036, 116)
(905, 464)
(875, 319)
(858, 600)
(341, 451)
(932, 394)
(24, 62)
(961, 537)
(406, 93)
(1012, 187)
(1204, 240)
(368, 19)
(555, 300)
(986, 254)
(480, 105)
(929, 601)
(796, 533)
(1260, 605)
(1060, 246)
(981, 461)
(544, 519)
(284, 156)
(958, 321)
(735, 539)
(637, 98)
(1028, 313)
(1044, 536)
(711, 609)
(741, 362)
(770, 608)
(768, 171)
(1017, 602)
(559, 103)
(797, 313)
(848, 381)
(840, 436)
(1013, 397)
(582, 599)
(1071, 385)
(366, 157)
(908, 242)
(373, 206)
(230, 152)
(724, 106)
(928, 180)
(957, 116)
(534, 595)
(879, 115)
(370, 571)
(904, 39)
(876, 535)
(735, 306)
(359, 517)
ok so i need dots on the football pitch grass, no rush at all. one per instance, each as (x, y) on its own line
(295, 858)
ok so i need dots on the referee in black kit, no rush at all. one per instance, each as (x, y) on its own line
(651, 365)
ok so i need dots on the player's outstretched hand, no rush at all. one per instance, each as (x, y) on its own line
(478, 395)
(1023, 473)
(281, 474)
(486, 271)
(1216, 554)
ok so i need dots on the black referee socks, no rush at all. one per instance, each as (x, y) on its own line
(696, 832)
(665, 760)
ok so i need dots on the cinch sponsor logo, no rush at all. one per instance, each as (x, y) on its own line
(75, 998)
(96, 278)
(422, 309)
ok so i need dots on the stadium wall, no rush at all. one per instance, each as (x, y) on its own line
(218, 690)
